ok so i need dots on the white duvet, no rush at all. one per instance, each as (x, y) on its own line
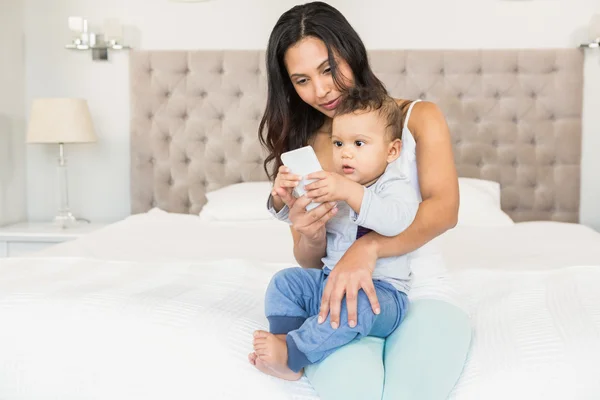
(85, 329)
(149, 308)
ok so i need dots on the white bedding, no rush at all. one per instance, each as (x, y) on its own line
(150, 308)
(84, 329)
(158, 235)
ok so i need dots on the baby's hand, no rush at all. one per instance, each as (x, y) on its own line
(284, 184)
(330, 186)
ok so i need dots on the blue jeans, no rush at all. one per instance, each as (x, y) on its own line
(292, 303)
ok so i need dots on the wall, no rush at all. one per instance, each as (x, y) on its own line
(100, 172)
(590, 164)
(12, 110)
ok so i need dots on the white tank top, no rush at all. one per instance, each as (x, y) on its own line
(430, 277)
(408, 155)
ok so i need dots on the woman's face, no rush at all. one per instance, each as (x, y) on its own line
(308, 67)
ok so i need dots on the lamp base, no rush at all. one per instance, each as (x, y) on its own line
(65, 220)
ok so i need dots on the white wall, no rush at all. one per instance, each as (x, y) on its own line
(100, 173)
(12, 112)
(590, 164)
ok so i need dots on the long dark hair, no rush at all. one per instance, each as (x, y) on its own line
(288, 120)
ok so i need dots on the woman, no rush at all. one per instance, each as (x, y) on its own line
(314, 56)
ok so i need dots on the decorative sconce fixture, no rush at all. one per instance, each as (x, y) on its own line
(98, 43)
(594, 33)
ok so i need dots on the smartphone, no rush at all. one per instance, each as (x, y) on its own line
(302, 161)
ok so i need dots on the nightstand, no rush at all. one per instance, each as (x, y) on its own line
(25, 238)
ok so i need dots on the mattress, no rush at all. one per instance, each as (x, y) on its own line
(158, 235)
(163, 306)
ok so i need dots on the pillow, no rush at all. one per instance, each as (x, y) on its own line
(246, 201)
(480, 204)
(485, 187)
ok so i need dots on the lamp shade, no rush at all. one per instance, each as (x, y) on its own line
(60, 120)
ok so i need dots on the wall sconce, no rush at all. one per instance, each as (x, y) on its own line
(98, 43)
(593, 32)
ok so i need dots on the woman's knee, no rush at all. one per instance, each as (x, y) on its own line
(425, 356)
(354, 371)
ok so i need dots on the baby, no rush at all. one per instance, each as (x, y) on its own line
(371, 195)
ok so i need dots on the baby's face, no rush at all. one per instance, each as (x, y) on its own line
(360, 146)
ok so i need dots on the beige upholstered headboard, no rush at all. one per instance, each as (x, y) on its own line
(514, 115)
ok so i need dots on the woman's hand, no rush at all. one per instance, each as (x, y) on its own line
(353, 272)
(310, 224)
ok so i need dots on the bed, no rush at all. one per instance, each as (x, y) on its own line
(162, 304)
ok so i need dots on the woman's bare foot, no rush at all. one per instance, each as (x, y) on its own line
(271, 356)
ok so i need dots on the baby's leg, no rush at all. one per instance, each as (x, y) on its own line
(313, 342)
(292, 296)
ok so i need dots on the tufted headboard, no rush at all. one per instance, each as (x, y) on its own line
(514, 116)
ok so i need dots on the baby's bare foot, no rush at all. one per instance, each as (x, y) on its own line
(252, 358)
(271, 352)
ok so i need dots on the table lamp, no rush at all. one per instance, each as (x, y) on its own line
(60, 121)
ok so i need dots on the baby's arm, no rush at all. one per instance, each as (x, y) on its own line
(389, 210)
(354, 194)
(284, 212)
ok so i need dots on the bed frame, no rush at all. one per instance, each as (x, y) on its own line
(514, 116)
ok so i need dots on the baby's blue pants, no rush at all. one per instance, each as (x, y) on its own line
(292, 303)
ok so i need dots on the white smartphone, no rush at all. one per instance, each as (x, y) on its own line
(302, 161)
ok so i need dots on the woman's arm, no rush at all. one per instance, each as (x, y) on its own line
(437, 213)
(438, 181)
(308, 254)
